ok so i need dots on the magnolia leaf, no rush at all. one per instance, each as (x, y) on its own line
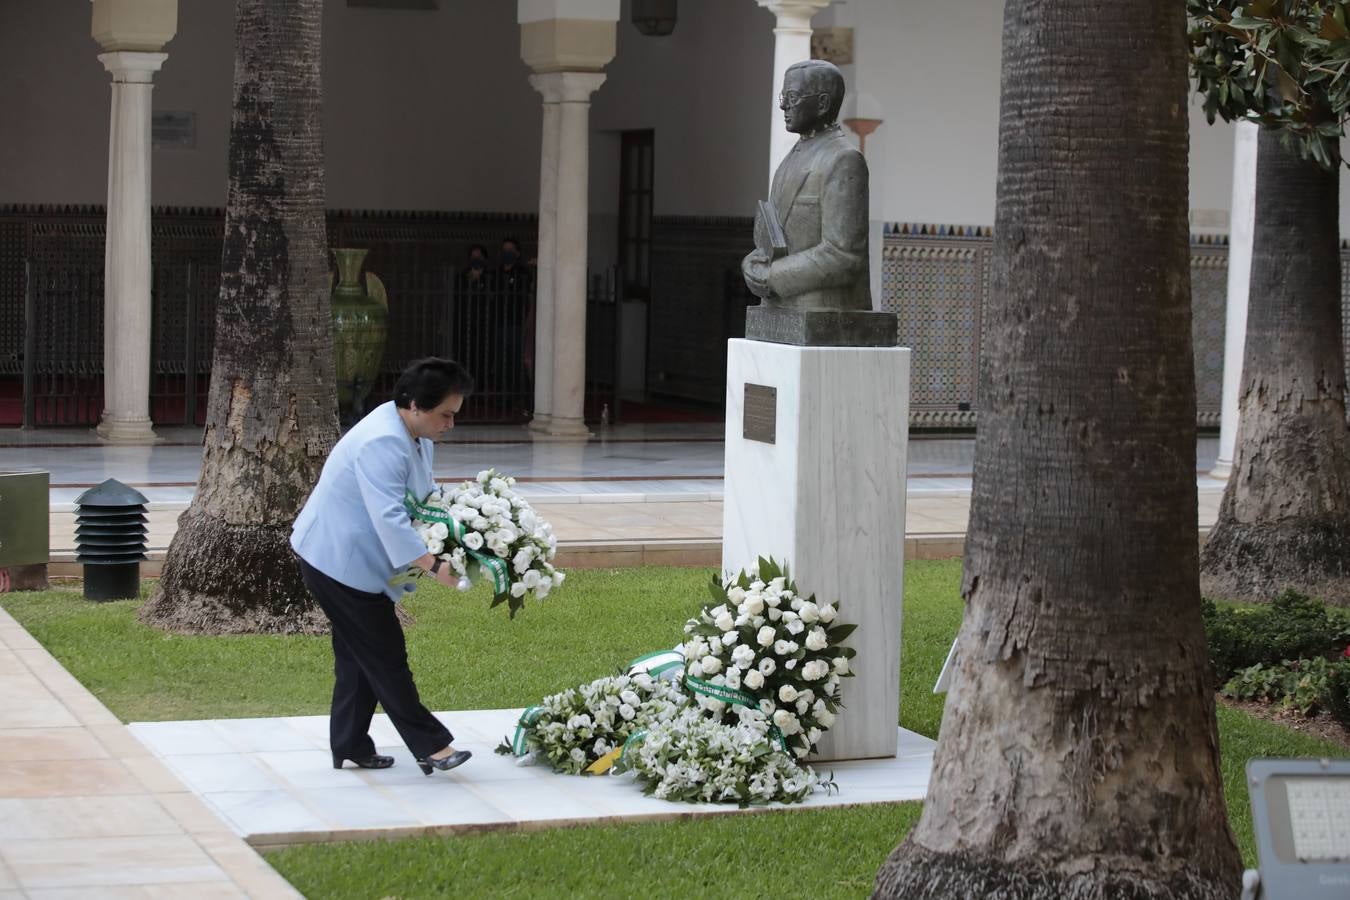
(1331, 29)
(1289, 88)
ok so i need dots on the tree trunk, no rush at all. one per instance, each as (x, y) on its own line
(272, 415)
(1285, 517)
(1078, 755)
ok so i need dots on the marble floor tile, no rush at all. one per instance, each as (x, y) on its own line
(109, 861)
(265, 812)
(183, 738)
(206, 773)
(307, 797)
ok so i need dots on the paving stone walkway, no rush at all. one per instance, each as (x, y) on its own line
(87, 811)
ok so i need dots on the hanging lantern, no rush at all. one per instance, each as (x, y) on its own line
(654, 18)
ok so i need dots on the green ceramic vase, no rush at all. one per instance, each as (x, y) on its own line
(360, 326)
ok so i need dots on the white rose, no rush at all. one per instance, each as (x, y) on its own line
(479, 523)
(499, 486)
(766, 636)
(440, 531)
(766, 706)
(841, 665)
(531, 579)
(797, 603)
(542, 590)
(825, 718)
(725, 622)
(773, 600)
(736, 594)
(694, 669)
(790, 664)
(753, 680)
(733, 677)
(816, 640)
(775, 614)
(627, 712)
(435, 547)
(729, 639)
(802, 705)
(827, 613)
(782, 647)
(711, 665)
(778, 583)
(717, 612)
(795, 626)
(767, 666)
(578, 755)
(558, 579)
(743, 656)
(813, 735)
(518, 589)
(787, 693)
(754, 605)
(521, 561)
(473, 540)
(630, 697)
(809, 613)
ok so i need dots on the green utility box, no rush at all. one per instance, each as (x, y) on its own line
(25, 539)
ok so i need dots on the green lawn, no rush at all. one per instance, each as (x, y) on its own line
(467, 656)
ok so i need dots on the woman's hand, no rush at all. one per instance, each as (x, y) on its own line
(445, 576)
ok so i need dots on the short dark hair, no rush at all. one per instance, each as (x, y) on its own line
(512, 241)
(427, 382)
(482, 251)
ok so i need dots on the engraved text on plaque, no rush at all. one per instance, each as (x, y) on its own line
(761, 413)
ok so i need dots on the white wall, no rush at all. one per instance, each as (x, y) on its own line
(432, 110)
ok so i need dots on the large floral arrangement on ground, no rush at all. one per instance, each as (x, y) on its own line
(483, 528)
(574, 729)
(757, 687)
(761, 646)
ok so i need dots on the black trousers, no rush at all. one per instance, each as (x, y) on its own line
(370, 664)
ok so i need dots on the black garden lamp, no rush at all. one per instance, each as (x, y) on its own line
(110, 540)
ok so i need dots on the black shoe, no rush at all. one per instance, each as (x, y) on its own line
(373, 761)
(458, 758)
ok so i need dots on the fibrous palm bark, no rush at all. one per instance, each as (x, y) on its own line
(1285, 517)
(271, 418)
(1078, 754)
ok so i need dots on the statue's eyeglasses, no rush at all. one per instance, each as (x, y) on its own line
(792, 98)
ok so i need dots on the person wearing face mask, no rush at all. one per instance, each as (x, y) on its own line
(475, 275)
(511, 267)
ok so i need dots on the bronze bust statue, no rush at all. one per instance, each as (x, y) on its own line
(810, 262)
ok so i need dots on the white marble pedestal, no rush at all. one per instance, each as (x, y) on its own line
(827, 495)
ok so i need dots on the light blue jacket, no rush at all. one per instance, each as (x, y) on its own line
(354, 528)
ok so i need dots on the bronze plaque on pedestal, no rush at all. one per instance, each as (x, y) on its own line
(761, 413)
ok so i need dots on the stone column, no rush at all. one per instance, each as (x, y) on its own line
(1241, 224)
(791, 44)
(132, 34)
(570, 264)
(567, 43)
(547, 86)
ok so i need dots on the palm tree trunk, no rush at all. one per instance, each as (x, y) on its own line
(272, 416)
(1285, 517)
(1078, 754)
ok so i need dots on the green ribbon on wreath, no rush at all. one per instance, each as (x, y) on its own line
(527, 718)
(734, 697)
(489, 563)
